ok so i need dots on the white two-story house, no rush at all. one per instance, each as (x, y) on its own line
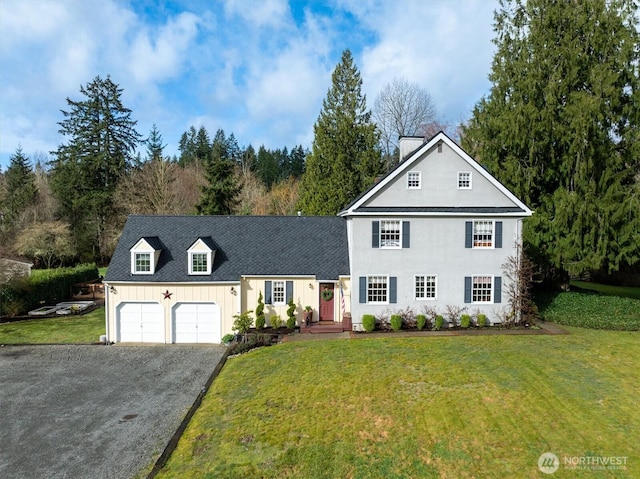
(434, 232)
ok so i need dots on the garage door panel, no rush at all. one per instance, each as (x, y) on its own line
(141, 323)
(196, 323)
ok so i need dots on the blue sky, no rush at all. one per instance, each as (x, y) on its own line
(259, 69)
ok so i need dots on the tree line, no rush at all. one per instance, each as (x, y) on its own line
(560, 128)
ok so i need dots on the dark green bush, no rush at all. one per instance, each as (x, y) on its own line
(368, 322)
(465, 321)
(481, 320)
(396, 322)
(291, 315)
(43, 287)
(260, 319)
(437, 326)
(421, 321)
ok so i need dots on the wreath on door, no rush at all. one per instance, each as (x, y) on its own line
(327, 294)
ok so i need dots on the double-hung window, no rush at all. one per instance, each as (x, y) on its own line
(377, 289)
(279, 292)
(483, 234)
(425, 286)
(199, 263)
(390, 231)
(142, 262)
(481, 289)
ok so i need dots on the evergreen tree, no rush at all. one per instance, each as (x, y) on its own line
(296, 161)
(561, 129)
(344, 160)
(155, 147)
(20, 187)
(220, 195)
(85, 172)
(267, 167)
(187, 147)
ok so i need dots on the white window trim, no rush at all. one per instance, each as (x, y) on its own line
(152, 263)
(273, 292)
(399, 246)
(419, 174)
(209, 261)
(470, 180)
(491, 284)
(493, 234)
(386, 276)
(415, 292)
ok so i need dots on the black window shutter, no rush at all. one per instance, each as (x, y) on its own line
(267, 293)
(498, 234)
(375, 234)
(363, 289)
(406, 229)
(467, 289)
(289, 291)
(393, 289)
(468, 236)
(497, 289)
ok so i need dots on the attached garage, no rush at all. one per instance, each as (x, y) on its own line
(140, 323)
(196, 323)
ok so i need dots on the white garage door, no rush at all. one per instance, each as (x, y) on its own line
(141, 323)
(196, 323)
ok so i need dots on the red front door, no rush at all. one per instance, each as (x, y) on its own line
(326, 302)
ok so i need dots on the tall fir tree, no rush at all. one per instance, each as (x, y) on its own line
(101, 143)
(561, 129)
(345, 159)
(155, 146)
(219, 196)
(20, 191)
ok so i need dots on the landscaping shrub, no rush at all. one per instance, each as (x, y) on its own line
(368, 322)
(252, 341)
(439, 321)
(421, 321)
(396, 322)
(227, 338)
(276, 321)
(481, 320)
(291, 315)
(465, 321)
(260, 319)
(242, 322)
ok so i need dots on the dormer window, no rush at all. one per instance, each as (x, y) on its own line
(201, 254)
(144, 256)
(142, 262)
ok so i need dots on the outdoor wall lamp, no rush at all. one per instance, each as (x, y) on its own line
(112, 289)
(233, 291)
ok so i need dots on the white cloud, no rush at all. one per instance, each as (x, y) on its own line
(155, 59)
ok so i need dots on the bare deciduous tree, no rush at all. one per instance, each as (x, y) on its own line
(49, 243)
(401, 109)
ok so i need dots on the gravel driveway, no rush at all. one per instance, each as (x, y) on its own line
(94, 411)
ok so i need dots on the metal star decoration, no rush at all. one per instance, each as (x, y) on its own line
(167, 294)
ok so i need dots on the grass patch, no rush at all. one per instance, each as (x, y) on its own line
(587, 309)
(85, 328)
(460, 407)
(622, 291)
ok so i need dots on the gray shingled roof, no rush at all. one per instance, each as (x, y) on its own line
(245, 245)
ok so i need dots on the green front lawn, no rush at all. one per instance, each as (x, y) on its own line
(85, 328)
(448, 407)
